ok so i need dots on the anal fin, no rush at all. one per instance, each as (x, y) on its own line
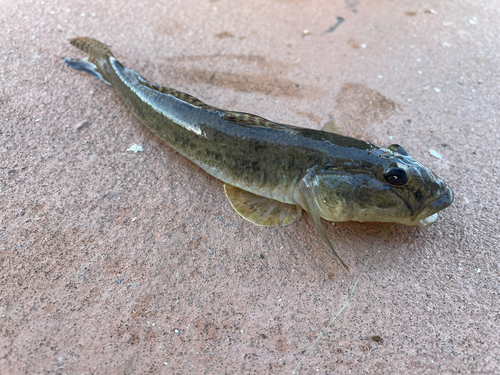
(261, 210)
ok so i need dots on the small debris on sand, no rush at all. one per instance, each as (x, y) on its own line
(136, 148)
(82, 125)
(435, 154)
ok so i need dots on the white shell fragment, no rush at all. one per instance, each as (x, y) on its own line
(136, 148)
(435, 154)
(428, 220)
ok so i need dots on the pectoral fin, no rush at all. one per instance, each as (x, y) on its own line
(260, 210)
(322, 231)
(308, 204)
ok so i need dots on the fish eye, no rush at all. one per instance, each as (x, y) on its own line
(396, 176)
(399, 149)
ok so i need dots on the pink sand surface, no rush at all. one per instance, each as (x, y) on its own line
(128, 263)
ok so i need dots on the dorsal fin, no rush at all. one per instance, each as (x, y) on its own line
(177, 94)
(332, 127)
(261, 210)
(243, 118)
(249, 119)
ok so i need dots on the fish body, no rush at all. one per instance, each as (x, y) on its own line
(274, 171)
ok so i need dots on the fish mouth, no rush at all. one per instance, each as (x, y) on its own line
(429, 214)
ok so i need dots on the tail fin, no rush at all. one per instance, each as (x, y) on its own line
(98, 55)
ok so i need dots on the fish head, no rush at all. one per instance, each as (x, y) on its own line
(391, 187)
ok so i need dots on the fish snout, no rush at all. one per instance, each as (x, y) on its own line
(429, 214)
(443, 201)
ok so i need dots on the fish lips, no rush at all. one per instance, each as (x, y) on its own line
(429, 214)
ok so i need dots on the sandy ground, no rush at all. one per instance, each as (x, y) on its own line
(119, 262)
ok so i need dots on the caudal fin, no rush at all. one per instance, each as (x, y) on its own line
(98, 56)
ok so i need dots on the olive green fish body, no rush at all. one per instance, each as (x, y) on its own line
(273, 171)
(244, 150)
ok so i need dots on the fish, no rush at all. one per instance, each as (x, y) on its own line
(272, 172)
